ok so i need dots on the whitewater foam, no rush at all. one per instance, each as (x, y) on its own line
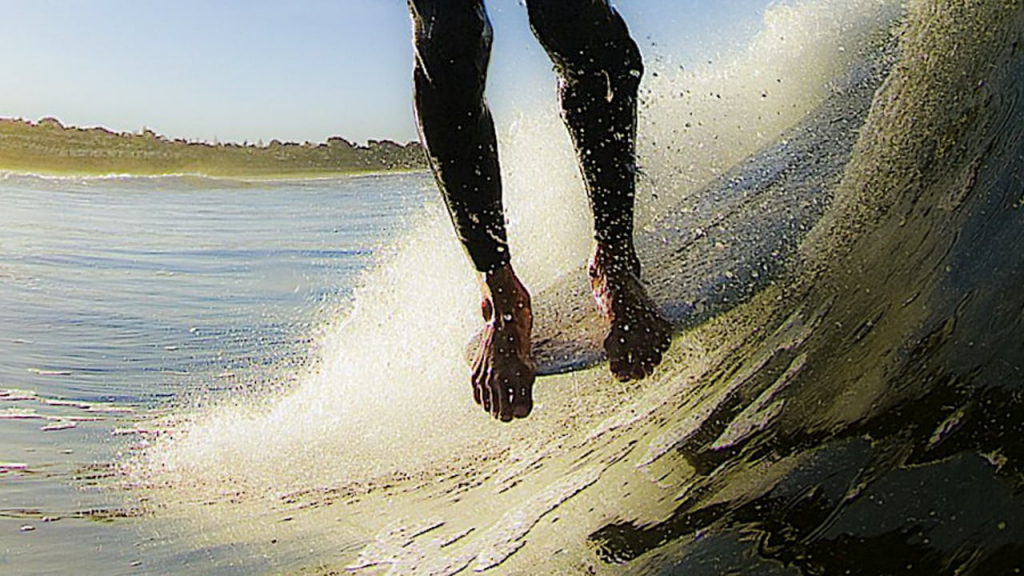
(387, 387)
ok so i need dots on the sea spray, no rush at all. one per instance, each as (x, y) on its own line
(388, 387)
(387, 380)
(699, 119)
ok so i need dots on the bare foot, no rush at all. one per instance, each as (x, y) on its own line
(638, 335)
(503, 371)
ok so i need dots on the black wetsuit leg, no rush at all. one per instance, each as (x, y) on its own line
(452, 42)
(599, 68)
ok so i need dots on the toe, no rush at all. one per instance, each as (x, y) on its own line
(638, 371)
(522, 408)
(619, 367)
(503, 404)
(647, 367)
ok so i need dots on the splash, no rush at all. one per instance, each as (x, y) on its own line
(700, 120)
(387, 389)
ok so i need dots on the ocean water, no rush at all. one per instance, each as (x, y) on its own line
(123, 296)
(269, 378)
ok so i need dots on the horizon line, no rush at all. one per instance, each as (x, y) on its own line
(216, 141)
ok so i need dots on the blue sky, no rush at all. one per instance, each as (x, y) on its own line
(293, 70)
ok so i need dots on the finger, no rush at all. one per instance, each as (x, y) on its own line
(522, 395)
(492, 398)
(475, 380)
(477, 376)
(481, 366)
(503, 396)
(522, 402)
(485, 397)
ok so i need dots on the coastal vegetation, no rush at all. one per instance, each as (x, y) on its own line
(47, 146)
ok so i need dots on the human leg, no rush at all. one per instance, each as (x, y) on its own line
(452, 41)
(599, 68)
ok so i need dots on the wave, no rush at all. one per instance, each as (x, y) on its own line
(850, 404)
(360, 389)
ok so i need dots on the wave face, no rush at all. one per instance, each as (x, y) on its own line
(875, 422)
(856, 409)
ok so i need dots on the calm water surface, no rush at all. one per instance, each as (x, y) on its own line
(120, 296)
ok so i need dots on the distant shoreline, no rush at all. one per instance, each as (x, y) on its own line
(48, 148)
(265, 177)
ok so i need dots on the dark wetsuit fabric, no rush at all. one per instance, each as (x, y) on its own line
(599, 69)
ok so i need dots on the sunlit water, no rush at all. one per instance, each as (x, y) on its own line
(270, 378)
(119, 296)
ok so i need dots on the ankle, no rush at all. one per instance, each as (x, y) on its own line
(614, 260)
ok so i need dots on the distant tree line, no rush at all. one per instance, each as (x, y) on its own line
(49, 146)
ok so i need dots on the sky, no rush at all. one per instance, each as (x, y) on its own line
(295, 70)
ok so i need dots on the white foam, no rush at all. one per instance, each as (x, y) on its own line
(700, 119)
(389, 386)
(389, 383)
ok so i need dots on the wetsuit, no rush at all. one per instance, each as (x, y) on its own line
(599, 69)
